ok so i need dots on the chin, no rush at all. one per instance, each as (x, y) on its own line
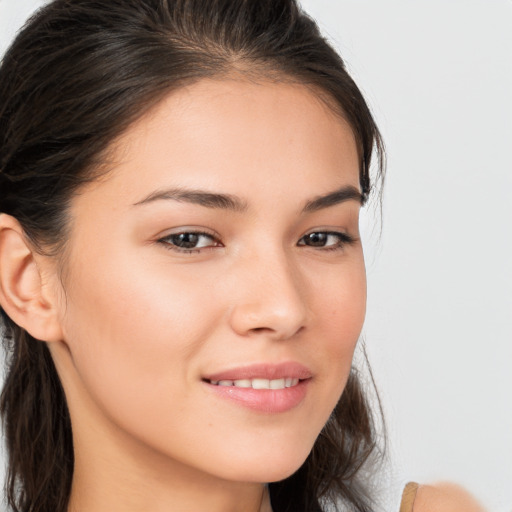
(268, 465)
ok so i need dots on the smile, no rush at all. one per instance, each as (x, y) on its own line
(258, 383)
(264, 388)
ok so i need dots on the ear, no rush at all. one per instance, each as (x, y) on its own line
(25, 296)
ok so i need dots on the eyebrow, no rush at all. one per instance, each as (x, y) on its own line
(343, 194)
(234, 203)
(200, 197)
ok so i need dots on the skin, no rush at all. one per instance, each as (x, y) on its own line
(134, 323)
(445, 497)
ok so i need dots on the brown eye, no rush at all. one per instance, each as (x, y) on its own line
(189, 240)
(316, 239)
(185, 240)
(326, 239)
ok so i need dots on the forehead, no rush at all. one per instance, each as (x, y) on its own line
(238, 136)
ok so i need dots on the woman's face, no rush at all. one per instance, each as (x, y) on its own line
(220, 257)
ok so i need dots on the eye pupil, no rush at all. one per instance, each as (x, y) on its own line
(185, 240)
(316, 239)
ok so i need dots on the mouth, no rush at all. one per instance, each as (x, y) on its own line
(258, 383)
(265, 388)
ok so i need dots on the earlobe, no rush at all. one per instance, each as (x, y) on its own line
(23, 293)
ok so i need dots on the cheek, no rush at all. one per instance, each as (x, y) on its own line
(340, 308)
(341, 304)
(132, 333)
(130, 306)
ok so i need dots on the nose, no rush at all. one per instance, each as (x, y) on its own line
(270, 299)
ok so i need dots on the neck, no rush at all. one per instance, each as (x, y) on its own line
(103, 484)
(111, 476)
(120, 497)
(112, 473)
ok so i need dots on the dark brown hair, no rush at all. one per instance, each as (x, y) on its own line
(78, 74)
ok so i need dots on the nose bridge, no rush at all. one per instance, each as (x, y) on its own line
(271, 296)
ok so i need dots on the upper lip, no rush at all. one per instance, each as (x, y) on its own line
(263, 371)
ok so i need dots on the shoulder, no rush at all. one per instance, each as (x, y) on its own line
(445, 497)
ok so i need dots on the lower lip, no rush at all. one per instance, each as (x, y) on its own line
(264, 400)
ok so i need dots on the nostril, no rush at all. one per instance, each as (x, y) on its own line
(262, 316)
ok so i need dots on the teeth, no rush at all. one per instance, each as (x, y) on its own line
(243, 383)
(260, 384)
(277, 384)
(287, 382)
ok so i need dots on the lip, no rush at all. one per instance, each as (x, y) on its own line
(263, 371)
(267, 401)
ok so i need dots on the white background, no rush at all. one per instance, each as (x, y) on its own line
(438, 75)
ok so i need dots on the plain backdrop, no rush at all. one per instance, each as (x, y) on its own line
(438, 76)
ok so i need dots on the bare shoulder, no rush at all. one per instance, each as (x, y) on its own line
(445, 497)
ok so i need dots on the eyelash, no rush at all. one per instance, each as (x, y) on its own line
(343, 240)
(168, 244)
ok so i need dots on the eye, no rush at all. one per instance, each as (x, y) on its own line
(326, 240)
(189, 241)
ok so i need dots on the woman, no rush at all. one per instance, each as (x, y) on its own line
(181, 277)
